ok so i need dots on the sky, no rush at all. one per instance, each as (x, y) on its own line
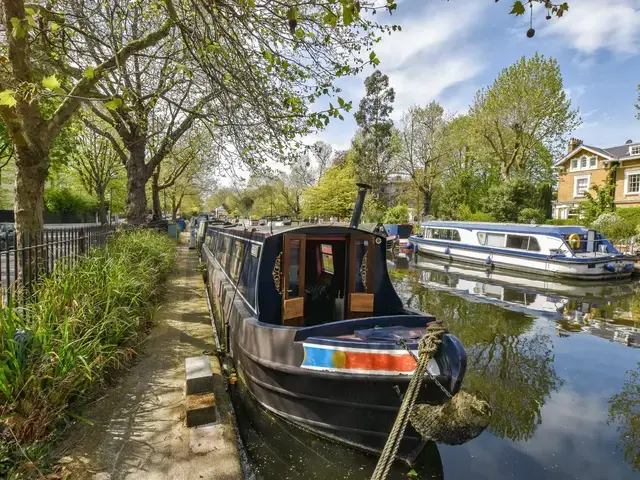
(448, 50)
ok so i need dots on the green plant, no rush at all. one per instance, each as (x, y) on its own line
(602, 201)
(506, 200)
(528, 215)
(82, 322)
(565, 221)
(614, 227)
(630, 214)
(64, 200)
(464, 213)
(397, 214)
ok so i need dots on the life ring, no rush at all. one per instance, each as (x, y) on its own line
(574, 241)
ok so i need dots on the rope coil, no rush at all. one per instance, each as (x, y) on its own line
(461, 419)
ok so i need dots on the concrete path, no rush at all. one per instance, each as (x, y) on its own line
(138, 430)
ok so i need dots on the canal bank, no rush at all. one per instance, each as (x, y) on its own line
(137, 429)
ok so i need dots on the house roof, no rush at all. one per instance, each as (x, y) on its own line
(617, 153)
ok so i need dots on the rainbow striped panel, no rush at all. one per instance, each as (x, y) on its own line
(357, 360)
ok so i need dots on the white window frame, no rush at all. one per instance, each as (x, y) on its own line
(626, 181)
(575, 185)
(579, 161)
(634, 150)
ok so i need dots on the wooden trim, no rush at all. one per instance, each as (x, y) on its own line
(361, 302)
(293, 312)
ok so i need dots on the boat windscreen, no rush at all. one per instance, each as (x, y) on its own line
(404, 231)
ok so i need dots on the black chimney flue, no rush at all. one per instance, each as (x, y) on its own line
(357, 209)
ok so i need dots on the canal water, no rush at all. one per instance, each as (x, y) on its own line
(558, 362)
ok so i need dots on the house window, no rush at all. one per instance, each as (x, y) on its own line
(634, 150)
(581, 185)
(632, 182)
(584, 163)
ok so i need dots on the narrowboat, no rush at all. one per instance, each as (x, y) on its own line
(398, 234)
(560, 251)
(317, 333)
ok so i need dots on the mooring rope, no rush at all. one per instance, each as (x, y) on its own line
(427, 348)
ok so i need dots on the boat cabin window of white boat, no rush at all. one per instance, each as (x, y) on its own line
(491, 239)
(442, 234)
(523, 242)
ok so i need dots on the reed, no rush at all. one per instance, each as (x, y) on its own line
(84, 322)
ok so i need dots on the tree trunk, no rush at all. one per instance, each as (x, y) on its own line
(32, 166)
(137, 178)
(155, 194)
(102, 206)
(426, 202)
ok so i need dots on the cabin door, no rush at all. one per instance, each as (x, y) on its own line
(361, 251)
(293, 284)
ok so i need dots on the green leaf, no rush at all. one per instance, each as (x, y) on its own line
(299, 34)
(113, 104)
(7, 98)
(88, 72)
(518, 8)
(51, 82)
(412, 473)
(347, 15)
(30, 11)
(18, 30)
(54, 27)
(331, 19)
(341, 101)
(268, 56)
(372, 56)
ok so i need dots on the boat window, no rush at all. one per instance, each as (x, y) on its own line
(293, 279)
(442, 234)
(362, 265)
(523, 242)
(238, 251)
(327, 258)
(225, 252)
(491, 239)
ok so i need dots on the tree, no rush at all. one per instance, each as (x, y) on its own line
(397, 214)
(523, 115)
(424, 148)
(624, 412)
(322, 152)
(603, 200)
(373, 142)
(27, 75)
(335, 194)
(97, 164)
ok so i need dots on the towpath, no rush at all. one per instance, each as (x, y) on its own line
(138, 429)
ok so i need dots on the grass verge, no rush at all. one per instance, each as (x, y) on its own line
(84, 322)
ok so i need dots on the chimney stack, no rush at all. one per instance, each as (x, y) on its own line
(573, 144)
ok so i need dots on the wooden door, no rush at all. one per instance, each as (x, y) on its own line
(361, 253)
(293, 285)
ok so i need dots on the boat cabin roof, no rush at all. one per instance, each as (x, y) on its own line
(554, 230)
(259, 233)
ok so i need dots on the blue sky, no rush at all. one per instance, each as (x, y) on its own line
(450, 49)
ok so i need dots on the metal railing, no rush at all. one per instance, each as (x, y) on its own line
(24, 261)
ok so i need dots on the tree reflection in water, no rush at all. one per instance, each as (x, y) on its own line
(624, 410)
(508, 361)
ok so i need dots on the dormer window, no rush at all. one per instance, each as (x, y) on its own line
(634, 150)
(584, 163)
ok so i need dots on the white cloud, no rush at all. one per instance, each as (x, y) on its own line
(593, 25)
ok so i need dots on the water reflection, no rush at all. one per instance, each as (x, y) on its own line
(604, 309)
(278, 450)
(624, 411)
(509, 361)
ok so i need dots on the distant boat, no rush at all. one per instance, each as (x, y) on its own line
(561, 251)
(315, 329)
(398, 234)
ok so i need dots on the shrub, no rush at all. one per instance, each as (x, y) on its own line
(565, 221)
(630, 214)
(465, 214)
(528, 215)
(506, 200)
(397, 214)
(64, 200)
(83, 321)
(614, 227)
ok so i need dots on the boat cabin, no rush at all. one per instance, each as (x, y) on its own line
(306, 276)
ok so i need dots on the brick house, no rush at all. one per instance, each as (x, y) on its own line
(585, 165)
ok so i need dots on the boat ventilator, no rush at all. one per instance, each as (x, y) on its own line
(459, 420)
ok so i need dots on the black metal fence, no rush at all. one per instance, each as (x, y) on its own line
(23, 261)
